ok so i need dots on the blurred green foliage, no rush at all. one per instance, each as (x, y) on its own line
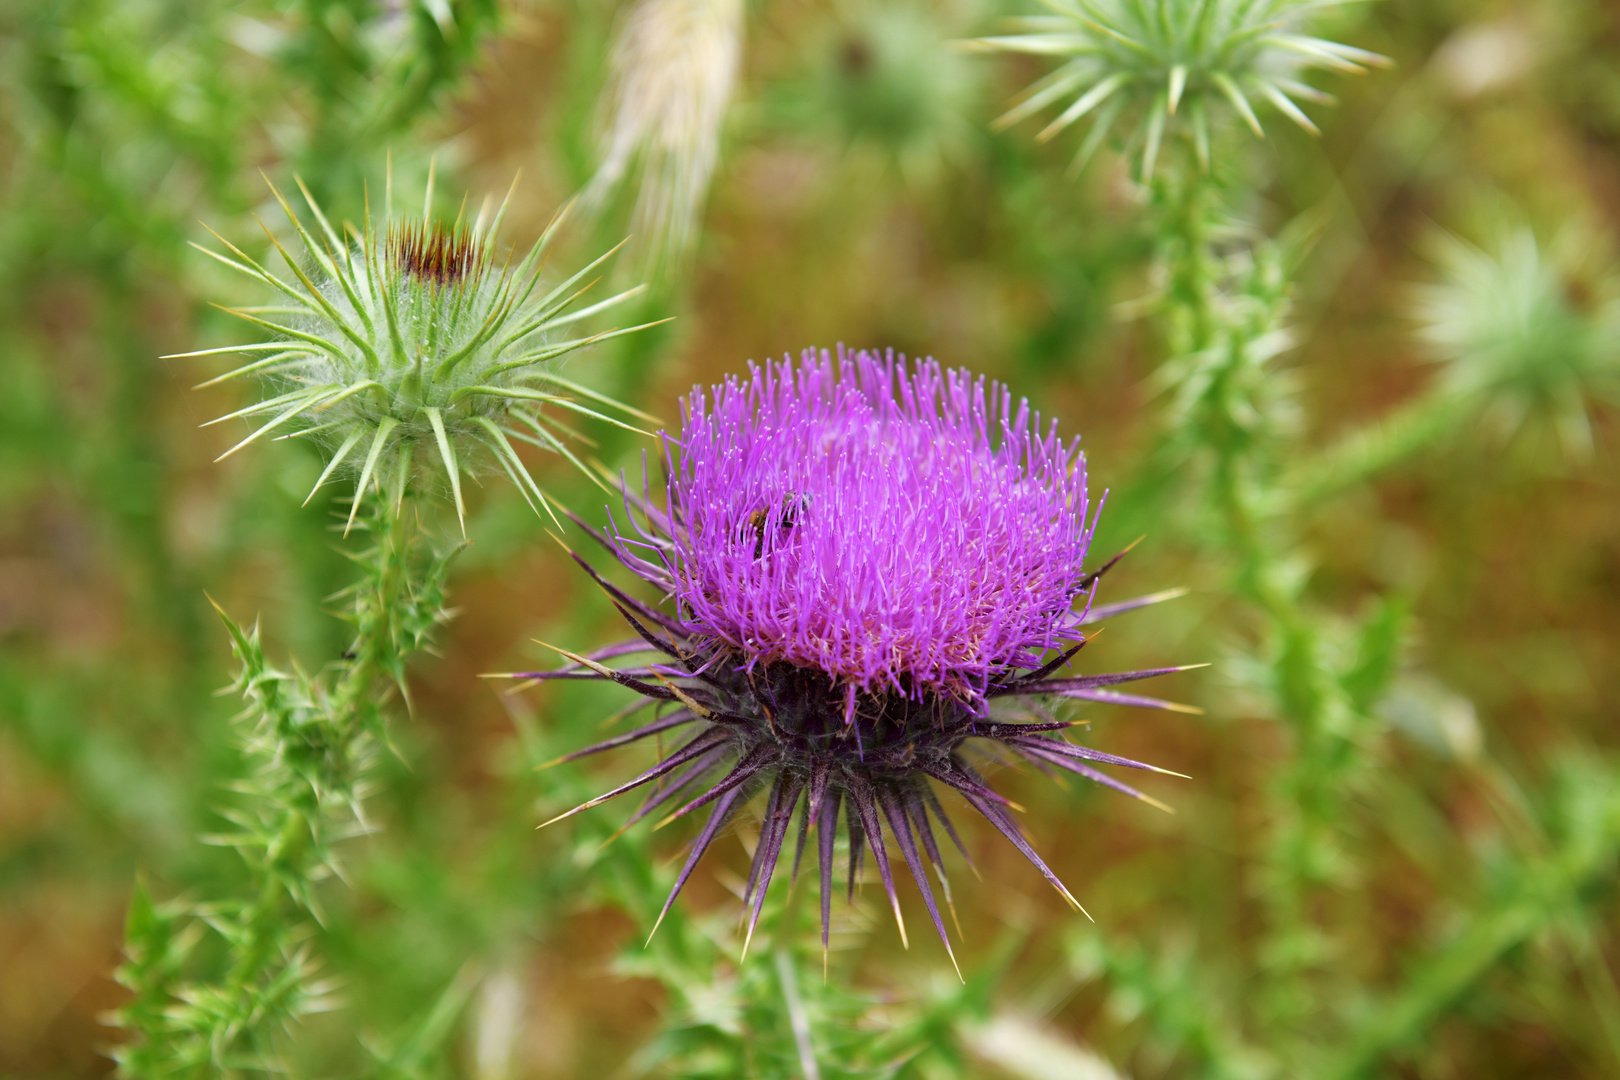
(1395, 508)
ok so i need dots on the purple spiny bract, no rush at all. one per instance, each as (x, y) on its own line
(870, 564)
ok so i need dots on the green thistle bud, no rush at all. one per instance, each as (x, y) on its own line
(1529, 332)
(888, 84)
(1176, 68)
(410, 345)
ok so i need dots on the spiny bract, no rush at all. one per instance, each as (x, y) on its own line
(871, 564)
(406, 342)
(1172, 66)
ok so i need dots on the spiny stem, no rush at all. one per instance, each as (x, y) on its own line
(312, 741)
(1370, 449)
(1221, 336)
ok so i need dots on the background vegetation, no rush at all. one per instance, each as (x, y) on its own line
(1397, 852)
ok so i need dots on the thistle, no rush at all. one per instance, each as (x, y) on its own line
(874, 569)
(411, 344)
(889, 85)
(1178, 68)
(1529, 331)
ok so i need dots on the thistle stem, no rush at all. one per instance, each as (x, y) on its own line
(312, 742)
(1379, 445)
(1218, 338)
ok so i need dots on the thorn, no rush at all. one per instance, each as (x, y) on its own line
(1070, 898)
(620, 832)
(1178, 83)
(656, 925)
(600, 669)
(686, 699)
(894, 902)
(1156, 804)
(571, 813)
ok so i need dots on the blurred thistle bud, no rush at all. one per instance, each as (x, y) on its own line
(1532, 334)
(673, 66)
(889, 83)
(409, 344)
(1178, 68)
(877, 567)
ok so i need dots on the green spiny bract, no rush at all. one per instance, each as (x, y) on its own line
(1174, 67)
(408, 345)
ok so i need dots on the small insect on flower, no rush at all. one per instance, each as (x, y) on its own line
(409, 344)
(908, 593)
(1174, 67)
(764, 522)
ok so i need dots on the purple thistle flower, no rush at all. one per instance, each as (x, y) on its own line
(864, 526)
(870, 565)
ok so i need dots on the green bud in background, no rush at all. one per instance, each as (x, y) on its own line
(886, 81)
(414, 346)
(1529, 333)
(1177, 71)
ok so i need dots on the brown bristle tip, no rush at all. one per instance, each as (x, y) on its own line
(435, 253)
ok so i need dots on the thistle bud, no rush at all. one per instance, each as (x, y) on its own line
(889, 86)
(1172, 69)
(411, 345)
(1528, 331)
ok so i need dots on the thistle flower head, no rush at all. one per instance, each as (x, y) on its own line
(902, 532)
(409, 344)
(1177, 69)
(1531, 329)
(870, 564)
(673, 66)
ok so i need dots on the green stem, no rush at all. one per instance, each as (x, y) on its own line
(312, 743)
(1218, 338)
(1545, 887)
(1369, 450)
(1185, 211)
